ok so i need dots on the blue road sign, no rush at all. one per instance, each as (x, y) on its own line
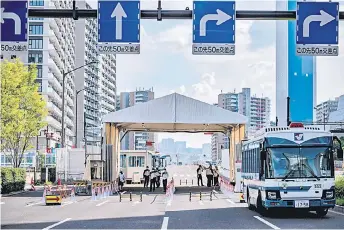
(13, 18)
(119, 21)
(317, 23)
(214, 22)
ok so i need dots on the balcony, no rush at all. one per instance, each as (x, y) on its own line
(54, 69)
(54, 96)
(69, 111)
(54, 82)
(53, 25)
(54, 109)
(54, 55)
(69, 122)
(53, 122)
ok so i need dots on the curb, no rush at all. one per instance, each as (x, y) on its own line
(338, 208)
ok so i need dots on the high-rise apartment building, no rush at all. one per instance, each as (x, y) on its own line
(136, 140)
(256, 109)
(52, 49)
(324, 109)
(95, 83)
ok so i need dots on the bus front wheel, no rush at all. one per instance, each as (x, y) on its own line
(321, 212)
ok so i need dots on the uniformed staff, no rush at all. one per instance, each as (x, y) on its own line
(199, 175)
(209, 173)
(152, 180)
(146, 174)
(157, 177)
(164, 179)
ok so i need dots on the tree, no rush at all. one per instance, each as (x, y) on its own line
(23, 109)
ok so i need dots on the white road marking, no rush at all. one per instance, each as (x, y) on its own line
(214, 191)
(266, 222)
(32, 204)
(164, 223)
(2, 202)
(201, 202)
(100, 204)
(182, 175)
(336, 212)
(67, 203)
(175, 175)
(135, 203)
(230, 201)
(56, 224)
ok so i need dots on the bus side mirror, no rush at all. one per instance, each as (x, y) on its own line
(340, 153)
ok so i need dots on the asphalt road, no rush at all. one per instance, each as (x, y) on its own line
(27, 211)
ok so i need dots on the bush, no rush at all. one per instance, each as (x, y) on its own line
(12, 179)
(340, 187)
(340, 202)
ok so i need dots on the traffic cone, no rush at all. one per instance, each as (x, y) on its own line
(44, 194)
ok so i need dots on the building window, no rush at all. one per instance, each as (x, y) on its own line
(39, 81)
(36, 29)
(36, 2)
(39, 71)
(36, 57)
(36, 44)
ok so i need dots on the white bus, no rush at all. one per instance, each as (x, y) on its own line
(290, 167)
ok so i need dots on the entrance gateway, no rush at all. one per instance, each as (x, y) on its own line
(172, 113)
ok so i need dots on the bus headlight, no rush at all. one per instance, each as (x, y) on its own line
(272, 195)
(329, 194)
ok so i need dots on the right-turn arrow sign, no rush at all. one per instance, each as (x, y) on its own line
(324, 18)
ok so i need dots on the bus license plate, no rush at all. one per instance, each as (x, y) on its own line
(302, 204)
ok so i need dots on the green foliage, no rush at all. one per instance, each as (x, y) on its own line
(12, 179)
(340, 187)
(340, 201)
(23, 109)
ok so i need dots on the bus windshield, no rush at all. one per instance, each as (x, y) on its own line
(299, 162)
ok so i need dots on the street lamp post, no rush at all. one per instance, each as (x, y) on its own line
(63, 98)
(76, 116)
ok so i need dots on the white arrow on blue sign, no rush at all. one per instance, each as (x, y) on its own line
(317, 28)
(119, 27)
(13, 27)
(214, 27)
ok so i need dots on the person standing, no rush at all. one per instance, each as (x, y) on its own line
(158, 175)
(216, 176)
(152, 180)
(209, 174)
(146, 174)
(121, 180)
(199, 175)
(164, 179)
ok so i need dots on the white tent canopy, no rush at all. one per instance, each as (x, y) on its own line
(175, 113)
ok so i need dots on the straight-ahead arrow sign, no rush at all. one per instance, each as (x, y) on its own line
(118, 13)
(221, 17)
(324, 18)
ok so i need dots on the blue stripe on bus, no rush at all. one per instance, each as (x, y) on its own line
(287, 189)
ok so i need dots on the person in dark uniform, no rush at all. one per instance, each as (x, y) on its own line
(164, 179)
(157, 178)
(210, 175)
(152, 180)
(146, 174)
(199, 175)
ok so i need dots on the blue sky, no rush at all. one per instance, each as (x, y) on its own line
(167, 65)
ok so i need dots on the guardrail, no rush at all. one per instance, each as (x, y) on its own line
(200, 195)
(186, 182)
(130, 196)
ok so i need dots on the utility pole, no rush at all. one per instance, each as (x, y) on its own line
(324, 120)
(63, 110)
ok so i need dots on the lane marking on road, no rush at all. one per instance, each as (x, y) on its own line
(67, 203)
(336, 212)
(214, 191)
(266, 222)
(56, 224)
(201, 202)
(182, 175)
(135, 203)
(100, 204)
(164, 223)
(230, 201)
(32, 204)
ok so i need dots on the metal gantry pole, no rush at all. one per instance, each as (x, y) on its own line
(167, 14)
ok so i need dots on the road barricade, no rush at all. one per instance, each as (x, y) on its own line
(201, 195)
(129, 195)
(186, 182)
(82, 187)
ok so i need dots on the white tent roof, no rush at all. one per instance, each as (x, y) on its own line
(175, 113)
